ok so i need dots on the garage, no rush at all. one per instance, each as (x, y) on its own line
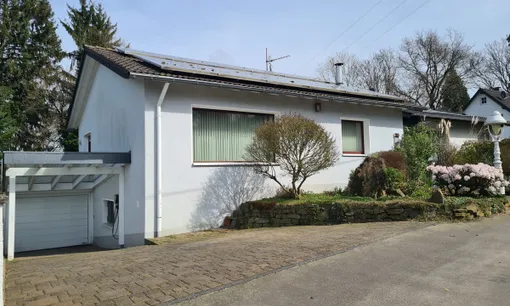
(51, 222)
(50, 203)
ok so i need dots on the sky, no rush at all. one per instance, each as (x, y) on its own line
(238, 32)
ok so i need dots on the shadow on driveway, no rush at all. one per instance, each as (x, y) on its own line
(59, 251)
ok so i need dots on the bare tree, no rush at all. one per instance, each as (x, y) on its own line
(351, 73)
(298, 145)
(495, 68)
(427, 58)
(380, 72)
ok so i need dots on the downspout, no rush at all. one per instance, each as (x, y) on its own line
(159, 172)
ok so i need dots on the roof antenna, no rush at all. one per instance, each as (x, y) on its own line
(269, 61)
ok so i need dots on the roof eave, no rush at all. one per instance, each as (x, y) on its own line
(163, 78)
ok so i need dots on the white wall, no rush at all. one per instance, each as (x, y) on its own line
(476, 108)
(462, 131)
(114, 115)
(186, 185)
(102, 232)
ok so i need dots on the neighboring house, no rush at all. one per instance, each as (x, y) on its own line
(181, 127)
(485, 101)
(463, 127)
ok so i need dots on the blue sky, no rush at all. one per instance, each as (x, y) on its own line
(237, 32)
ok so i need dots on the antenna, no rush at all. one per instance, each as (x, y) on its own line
(269, 61)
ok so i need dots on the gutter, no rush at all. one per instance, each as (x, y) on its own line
(157, 168)
(262, 89)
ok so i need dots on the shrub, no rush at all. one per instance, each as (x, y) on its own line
(468, 179)
(300, 146)
(374, 179)
(474, 152)
(368, 179)
(394, 179)
(394, 159)
(446, 154)
(419, 143)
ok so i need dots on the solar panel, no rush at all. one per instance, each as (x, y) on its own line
(179, 64)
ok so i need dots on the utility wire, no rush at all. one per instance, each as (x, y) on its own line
(381, 20)
(396, 24)
(345, 31)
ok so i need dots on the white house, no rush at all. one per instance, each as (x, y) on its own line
(174, 132)
(485, 101)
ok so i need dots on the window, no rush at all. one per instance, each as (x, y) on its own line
(89, 142)
(109, 212)
(222, 136)
(484, 100)
(352, 137)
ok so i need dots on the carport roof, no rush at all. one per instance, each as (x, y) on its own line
(25, 159)
(45, 171)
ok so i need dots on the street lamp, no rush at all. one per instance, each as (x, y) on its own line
(495, 124)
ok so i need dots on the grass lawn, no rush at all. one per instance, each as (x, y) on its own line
(322, 198)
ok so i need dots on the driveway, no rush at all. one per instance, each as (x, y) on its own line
(448, 264)
(149, 275)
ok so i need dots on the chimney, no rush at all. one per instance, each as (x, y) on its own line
(338, 73)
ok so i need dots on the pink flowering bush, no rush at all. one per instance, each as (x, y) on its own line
(468, 179)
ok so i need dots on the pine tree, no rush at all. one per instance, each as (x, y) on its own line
(455, 94)
(90, 25)
(30, 50)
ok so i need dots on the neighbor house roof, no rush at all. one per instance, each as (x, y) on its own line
(496, 95)
(133, 64)
(429, 113)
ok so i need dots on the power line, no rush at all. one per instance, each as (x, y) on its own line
(345, 31)
(396, 24)
(381, 20)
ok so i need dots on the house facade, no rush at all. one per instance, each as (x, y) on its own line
(185, 124)
(462, 127)
(485, 101)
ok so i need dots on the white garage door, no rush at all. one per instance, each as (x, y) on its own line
(51, 222)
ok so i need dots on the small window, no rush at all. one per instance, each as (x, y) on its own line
(88, 141)
(484, 100)
(110, 212)
(222, 136)
(352, 137)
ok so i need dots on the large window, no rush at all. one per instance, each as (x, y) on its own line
(222, 136)
(352, 137)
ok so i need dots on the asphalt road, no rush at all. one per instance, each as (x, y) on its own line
(446, 264)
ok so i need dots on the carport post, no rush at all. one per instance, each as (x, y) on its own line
(2, 249)
(11, 218)
(121, 207)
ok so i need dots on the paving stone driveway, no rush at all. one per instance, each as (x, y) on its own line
(150, 275)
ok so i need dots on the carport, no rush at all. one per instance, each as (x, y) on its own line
(50, 203)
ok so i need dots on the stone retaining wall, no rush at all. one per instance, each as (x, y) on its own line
(256, 214)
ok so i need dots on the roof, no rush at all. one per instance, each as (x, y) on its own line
(496, 96)
(132, 64)
(445, 115)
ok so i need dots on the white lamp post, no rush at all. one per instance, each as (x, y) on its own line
(495, 124)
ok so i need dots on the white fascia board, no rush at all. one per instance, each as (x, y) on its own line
(57, 187)
(61, 171)
(86, 81)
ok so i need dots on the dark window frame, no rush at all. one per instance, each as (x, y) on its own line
(272, 115)
(362, 138)
(484, 100)
(110, 212)
(88, 138)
